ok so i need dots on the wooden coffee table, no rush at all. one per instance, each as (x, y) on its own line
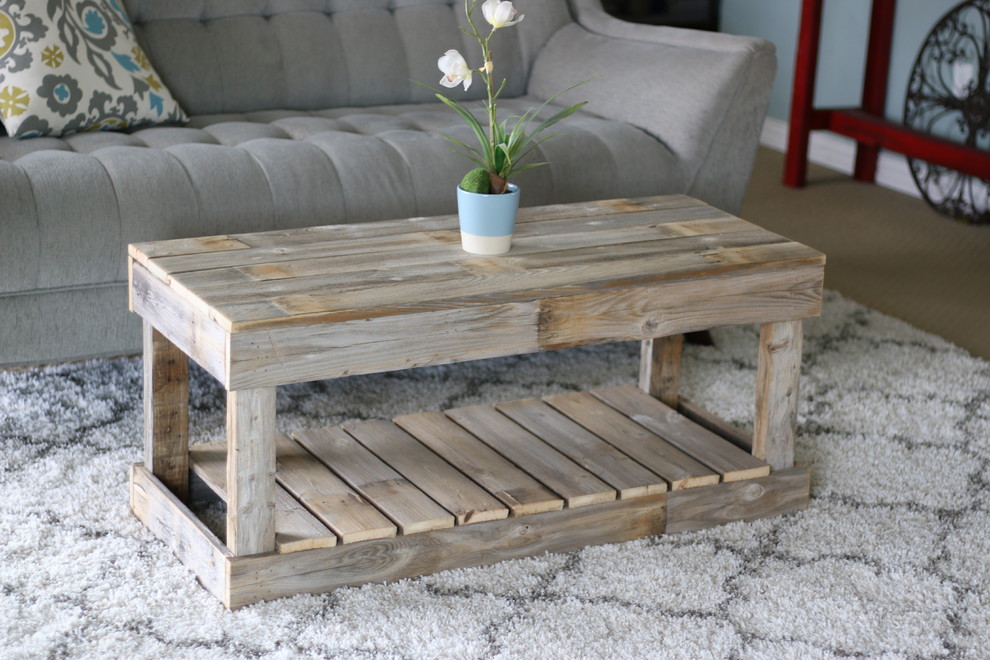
(385, 499)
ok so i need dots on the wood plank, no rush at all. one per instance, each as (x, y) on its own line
(439, 336)
(778, 374)
(709, 420)
(407, 506)
(295, 528)
(176, 526)
(320, 301)
(676, 467)
(698, 508)
(610, 209)
(741, 245)
(554, 470)
(251, 471)
(675, 307)
(145, 252)
(374, 345)
(302, 243)
(166, 411)
(721, 456)
(546, 220)
(326, 496)
(510, 277)
(264, 578)
(586, 449)
(187, 326)
(433, 475)
(660, 368)
(395, 257)
(523, 494)
(627, 238)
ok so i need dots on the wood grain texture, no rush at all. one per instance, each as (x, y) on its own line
(251, 471)
(556, 471)
(732, 463)
(295, 528)
(678, 306)
(468, 502)
(655, 453)
(709, 420)
(585, 448)
(188, 326)
(413, 253)
(513, 278)
(778, 374)
(176, 526)
(519, 491)
(145, 252)
(681, 214)
(698, 508)
(375, 344)
(288, 306)
(267, 577)
(585, 246)
(406, 505)
(327, 497)
(401, 336)
(660, 368)
(166, 411)
(266, 309)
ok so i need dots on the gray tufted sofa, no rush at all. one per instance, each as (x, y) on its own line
(304, 112)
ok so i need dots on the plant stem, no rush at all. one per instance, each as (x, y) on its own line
(498, 182)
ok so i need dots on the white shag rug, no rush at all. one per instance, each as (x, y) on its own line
(891, 559)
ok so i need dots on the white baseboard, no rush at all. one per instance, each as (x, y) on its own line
(839, 153)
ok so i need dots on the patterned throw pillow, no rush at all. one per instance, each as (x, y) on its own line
(74, 65)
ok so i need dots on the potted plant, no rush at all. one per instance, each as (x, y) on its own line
(486, 200)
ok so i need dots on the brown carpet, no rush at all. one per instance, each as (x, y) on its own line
(887, 250)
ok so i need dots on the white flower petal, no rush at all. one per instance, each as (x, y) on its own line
(455, 69)
(500, 13)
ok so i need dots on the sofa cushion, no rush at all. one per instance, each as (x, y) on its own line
(233, 56)
(277, 169)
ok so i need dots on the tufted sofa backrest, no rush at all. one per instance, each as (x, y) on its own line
(221, 56)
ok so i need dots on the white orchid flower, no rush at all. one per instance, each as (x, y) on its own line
(500, 147)
(499, 13)
(455, 69)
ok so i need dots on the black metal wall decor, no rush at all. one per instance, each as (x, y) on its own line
(948, 95)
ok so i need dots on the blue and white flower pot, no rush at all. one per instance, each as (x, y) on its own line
(487, 221)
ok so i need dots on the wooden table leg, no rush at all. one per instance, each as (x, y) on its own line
(251, 471)
(660, 368)
(777, 378)
(166, 412)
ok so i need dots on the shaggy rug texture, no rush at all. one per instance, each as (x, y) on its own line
(891, 559)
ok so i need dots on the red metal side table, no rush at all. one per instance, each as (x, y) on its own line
(866, 124)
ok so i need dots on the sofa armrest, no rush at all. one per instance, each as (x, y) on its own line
(703, 95)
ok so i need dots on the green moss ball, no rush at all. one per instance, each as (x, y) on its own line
(476, 181)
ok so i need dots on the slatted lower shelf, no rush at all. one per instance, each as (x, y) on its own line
(376, 501)
(434, 471)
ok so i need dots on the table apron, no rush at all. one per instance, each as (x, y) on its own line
(277, 356)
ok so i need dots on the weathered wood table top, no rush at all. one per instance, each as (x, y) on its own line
(255, 309)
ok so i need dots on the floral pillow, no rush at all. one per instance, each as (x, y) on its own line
(74, 65)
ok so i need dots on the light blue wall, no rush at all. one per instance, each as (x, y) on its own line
(844, 33)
